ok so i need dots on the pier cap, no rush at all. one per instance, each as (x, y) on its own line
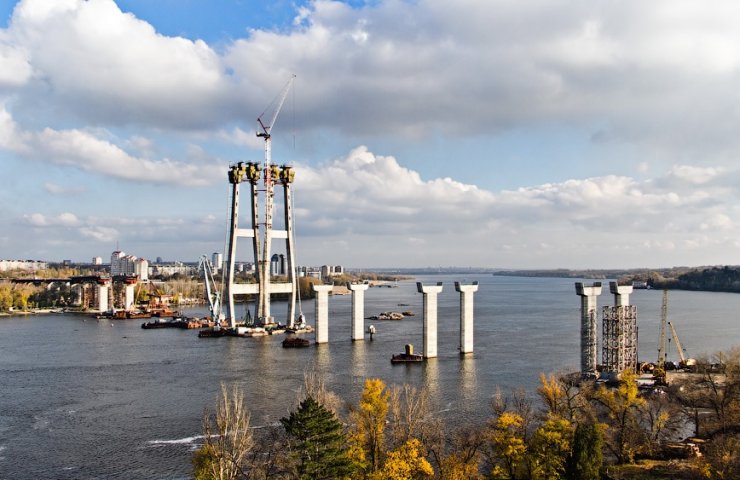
(420, 286)
(586, 290)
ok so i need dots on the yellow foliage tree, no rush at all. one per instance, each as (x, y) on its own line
(369, 420)
(550, 448)
(405, 463)
(507, 443)
(625, 435)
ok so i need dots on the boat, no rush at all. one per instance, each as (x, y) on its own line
(408, 356)
(212, 333)
(174, 323)
(295, 342)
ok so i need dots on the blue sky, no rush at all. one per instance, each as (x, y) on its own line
(538, 134)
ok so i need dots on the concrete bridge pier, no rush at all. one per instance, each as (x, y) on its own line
(102, 298)
(322, 312)
(466, 315)
(621, 294)
(430, 317)
(358, 310)
(129, 298)
(588, 294)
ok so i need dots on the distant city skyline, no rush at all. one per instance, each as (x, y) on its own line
(494, 134)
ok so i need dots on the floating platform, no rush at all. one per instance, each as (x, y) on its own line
(408, 356)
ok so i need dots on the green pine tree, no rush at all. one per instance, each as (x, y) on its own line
(586, 456)
(317, 442)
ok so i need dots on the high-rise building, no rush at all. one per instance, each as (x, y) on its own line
(217, 261)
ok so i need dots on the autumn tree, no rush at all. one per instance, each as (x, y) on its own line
(227, 439)
(369, 419)
(462, 459)
(317, 442)
(550, 448)
(406, 462)
(507, 446)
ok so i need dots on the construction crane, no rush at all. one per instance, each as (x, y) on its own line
(685, 362)
(213, 296)
(663, 320)
(276, 105)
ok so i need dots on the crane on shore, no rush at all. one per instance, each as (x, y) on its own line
(212, 295)
(685, 362)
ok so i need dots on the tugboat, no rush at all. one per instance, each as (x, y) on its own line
(407, 357)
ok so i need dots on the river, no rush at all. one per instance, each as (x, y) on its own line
(88, 399)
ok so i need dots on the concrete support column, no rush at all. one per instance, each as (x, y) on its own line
(322, 312)
(430, 317)
(358, 310)
(466, 315)
(621, 294)
(129, 297)
(588, 296)
(103, 298)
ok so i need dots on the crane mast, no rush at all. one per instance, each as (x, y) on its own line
(663, 320)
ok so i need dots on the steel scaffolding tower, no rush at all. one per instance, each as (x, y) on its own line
(619, 339)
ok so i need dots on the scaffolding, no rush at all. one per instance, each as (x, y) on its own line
(619, 339)
(588, 344)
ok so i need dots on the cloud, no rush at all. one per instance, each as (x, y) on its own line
(85, 151)
(381, 208)
(55, 189)
(65, 219)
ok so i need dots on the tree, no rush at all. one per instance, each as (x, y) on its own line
(508, 446)
(586, 456)
(369, 425)
(227, 439)
(317, 442)
(407, 462)
(550, 448)
(621, 406)
(463, 459)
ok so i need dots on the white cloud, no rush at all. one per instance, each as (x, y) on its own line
(85, 151)
(65, 219)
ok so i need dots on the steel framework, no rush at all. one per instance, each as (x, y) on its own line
(619, 339)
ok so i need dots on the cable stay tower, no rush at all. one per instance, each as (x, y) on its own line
(262, 233)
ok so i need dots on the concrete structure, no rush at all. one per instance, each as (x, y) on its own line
(358, 310)
(217, 261)
(261, 235)
(430, 317)
(588, 294)
(466, 315)
(322, 312)
(102, 297)
(25, 265)
(129, 297)
(619, 333)
(621, 293)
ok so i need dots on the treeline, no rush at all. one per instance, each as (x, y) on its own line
(716, 279)
(571, 430)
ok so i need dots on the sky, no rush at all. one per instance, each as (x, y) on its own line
(495, 133)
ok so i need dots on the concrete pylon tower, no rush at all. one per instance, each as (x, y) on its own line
(261, 235)
(621, 293)
(588, 296)
(466, 315)
(430, 317)
(322, 312)
(358, 309)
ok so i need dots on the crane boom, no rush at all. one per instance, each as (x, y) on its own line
(214, 298)
(278, 103)
(678, 343)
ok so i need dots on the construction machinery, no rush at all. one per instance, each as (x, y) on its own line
(212, 294)
(685, 362)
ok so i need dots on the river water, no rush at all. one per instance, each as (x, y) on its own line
(88, 399)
